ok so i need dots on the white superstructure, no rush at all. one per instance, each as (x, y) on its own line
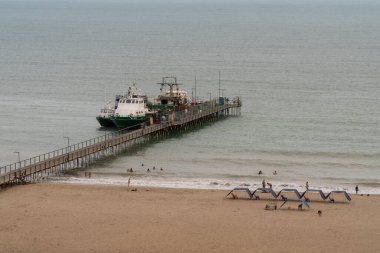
(107, 111)
(134, 104)
(131, 107)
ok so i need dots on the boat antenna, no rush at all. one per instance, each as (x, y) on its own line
(195, 89)
(105, 94)
(169, 81)
(219, 83)
(174, 82)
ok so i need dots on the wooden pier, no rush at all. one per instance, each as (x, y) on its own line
(82, 154)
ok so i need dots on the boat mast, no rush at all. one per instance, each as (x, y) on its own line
(219, 83)
(195, 89)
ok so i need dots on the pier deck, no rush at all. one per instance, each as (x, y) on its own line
(83, 153)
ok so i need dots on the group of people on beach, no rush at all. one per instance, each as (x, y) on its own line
(267, 183)
(264, 183)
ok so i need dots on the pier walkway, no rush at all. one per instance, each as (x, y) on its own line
(81, 154)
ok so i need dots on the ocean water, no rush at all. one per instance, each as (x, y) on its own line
(307, 71)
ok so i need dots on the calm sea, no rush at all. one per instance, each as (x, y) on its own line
(307, 71)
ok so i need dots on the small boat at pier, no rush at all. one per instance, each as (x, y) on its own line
(106, 113)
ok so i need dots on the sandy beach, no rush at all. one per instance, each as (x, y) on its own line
(78, 218)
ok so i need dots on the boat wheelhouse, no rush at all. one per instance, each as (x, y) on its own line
(170, 97)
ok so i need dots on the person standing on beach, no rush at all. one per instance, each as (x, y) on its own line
(307, 191)
(356, 189)
(129, 181)
(263, 183)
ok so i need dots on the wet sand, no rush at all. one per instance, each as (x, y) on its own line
(78, 218)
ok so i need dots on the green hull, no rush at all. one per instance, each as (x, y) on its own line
(128, 122)
(105, 122)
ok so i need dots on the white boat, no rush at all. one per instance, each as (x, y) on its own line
(131, 109)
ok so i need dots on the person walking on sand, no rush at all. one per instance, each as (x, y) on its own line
(356, 189)
(129, 181)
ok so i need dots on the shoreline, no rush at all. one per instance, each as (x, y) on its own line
(206, 184)
(49, 217)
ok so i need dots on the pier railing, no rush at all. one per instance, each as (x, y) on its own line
(111, 139)
(67, 150)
